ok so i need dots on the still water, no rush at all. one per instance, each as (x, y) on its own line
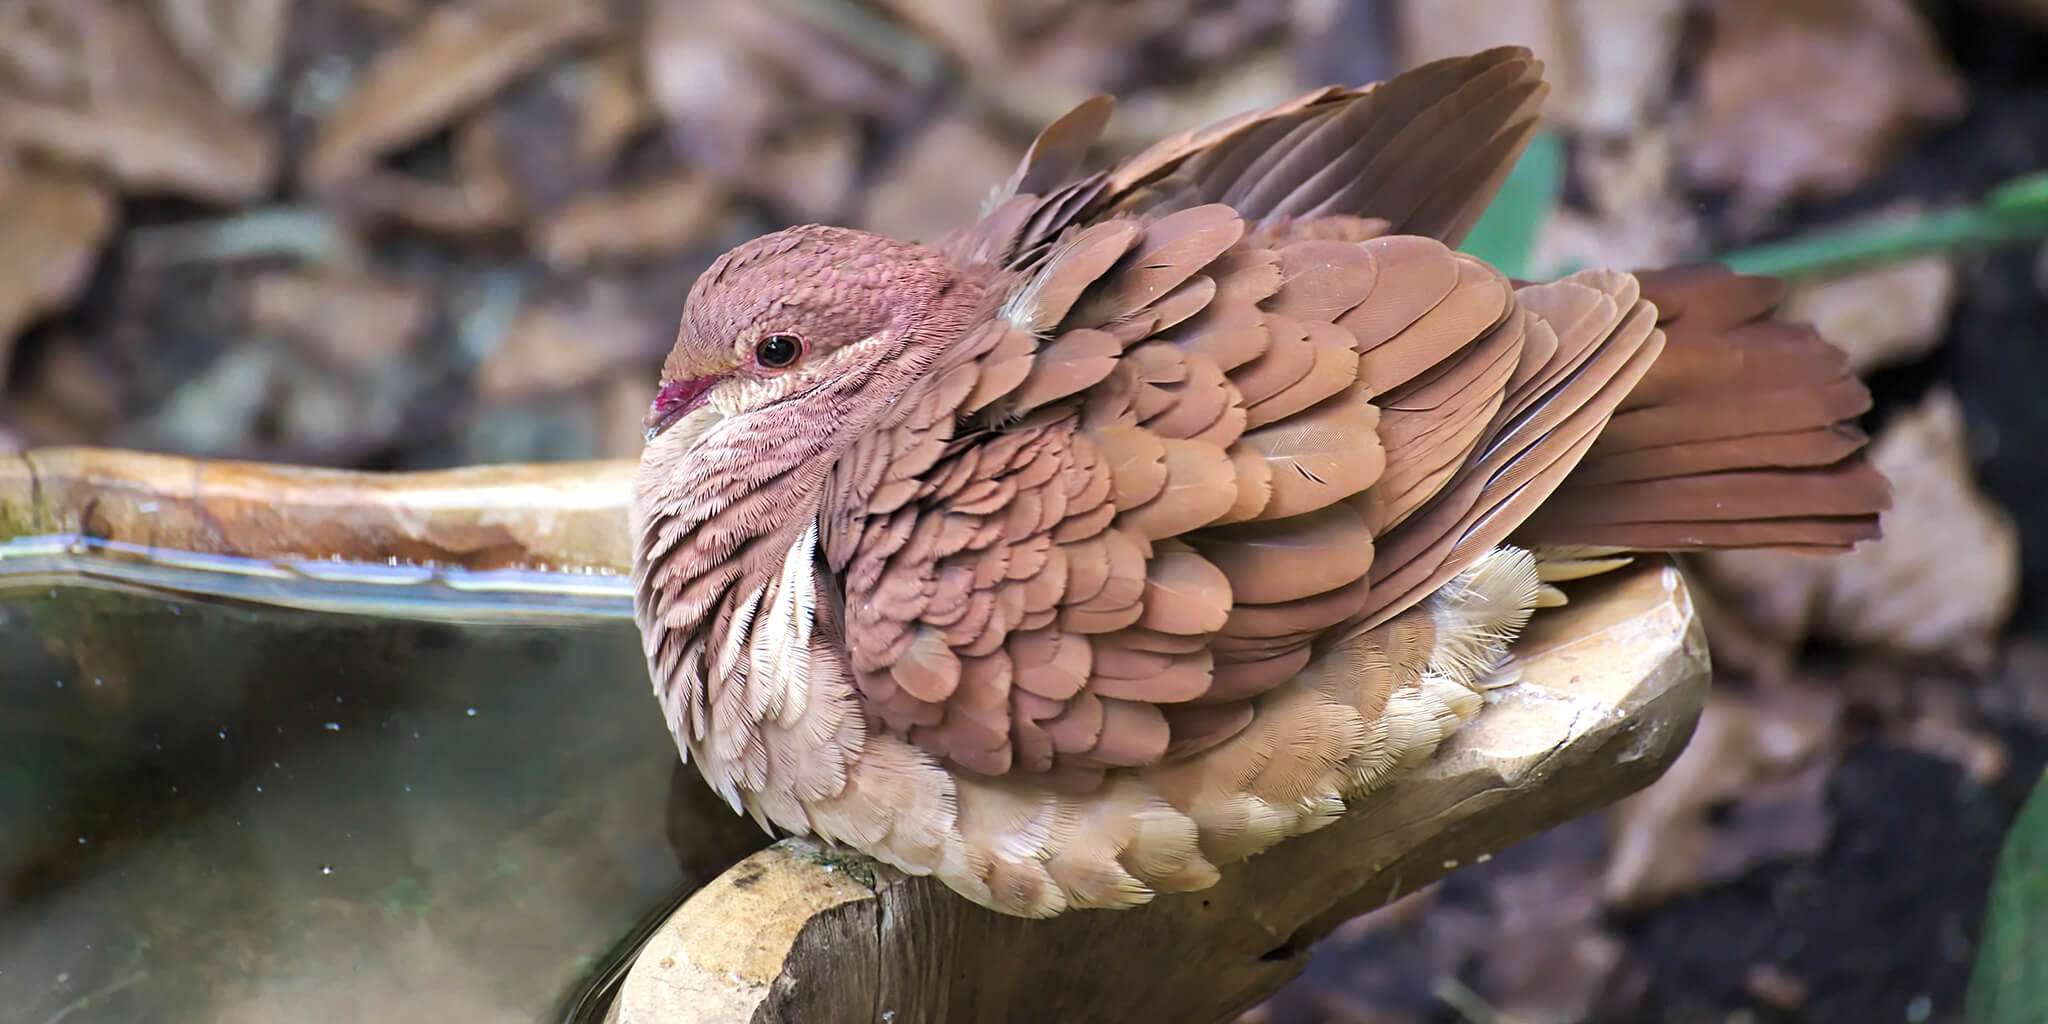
(271, 792)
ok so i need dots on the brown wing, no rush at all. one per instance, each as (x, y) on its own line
(1239, 405)
(1423, 153)
(1179, 460)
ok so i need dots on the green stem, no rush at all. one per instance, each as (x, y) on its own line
(1857, 246)
(2013, 212)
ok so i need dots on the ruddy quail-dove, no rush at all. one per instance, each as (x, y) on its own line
(1133, 528)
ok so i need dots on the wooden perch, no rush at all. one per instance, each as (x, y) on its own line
(569, 515)
(1609, 688)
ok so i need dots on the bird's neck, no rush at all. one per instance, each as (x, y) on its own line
(751, 482)
(717, 519)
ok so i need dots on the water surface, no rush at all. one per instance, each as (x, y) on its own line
(264, 791)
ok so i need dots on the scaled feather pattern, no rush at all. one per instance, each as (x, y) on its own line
(1136, 526)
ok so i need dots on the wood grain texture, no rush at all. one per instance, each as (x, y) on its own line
(1608, 690)
(569, 515)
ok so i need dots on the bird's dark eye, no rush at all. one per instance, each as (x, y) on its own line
(778, 350)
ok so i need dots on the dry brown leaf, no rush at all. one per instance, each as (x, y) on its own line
(389, 10)
(1624, 175)
(1608, 61)
(1942, 724)
(52, 224)
(649, 220)
(1550, 958)
(1769, 755)
(1097, 47)
(850, 64)
(938, 180)
(1064, 52)
(1401, 913)
(1756, 631)
(481, 198)
(1775, 987)
(1939, 585)
(1262, 79)
(92, 82)
(1435, 29)
(1609, 67)
(461, 55)
(762, 100)
(1554, 975)
(234, 44)
(554, 349)
(38, 422)
(1810, 97)
(720, 101)
(622, 408)
(79, 385)
(614, 106)
(567, 131)
(349, 322)
(970, 31)
(2015, 693)
(1626, 51)
(1636, 216)
(812, 175)
(1883, 316)
(67, 396)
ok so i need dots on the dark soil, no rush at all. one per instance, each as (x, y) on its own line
(1887, 918)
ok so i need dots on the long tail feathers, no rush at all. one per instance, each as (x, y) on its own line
(1742, 435)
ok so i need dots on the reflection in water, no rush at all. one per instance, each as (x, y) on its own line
(224, 810)
(397, 590)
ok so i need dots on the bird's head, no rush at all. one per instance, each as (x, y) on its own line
(792, 346)
(789, 313)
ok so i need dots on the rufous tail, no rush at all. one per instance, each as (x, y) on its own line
(1741, 435)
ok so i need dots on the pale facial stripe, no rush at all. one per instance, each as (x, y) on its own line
(779, 652)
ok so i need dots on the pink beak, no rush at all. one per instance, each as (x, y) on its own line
(675, 400)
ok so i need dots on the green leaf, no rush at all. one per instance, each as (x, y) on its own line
(1506, 233)
(2013, 212)
(2021, 195)
(2009, 984)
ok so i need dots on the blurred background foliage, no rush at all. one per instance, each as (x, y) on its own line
(397, 234)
